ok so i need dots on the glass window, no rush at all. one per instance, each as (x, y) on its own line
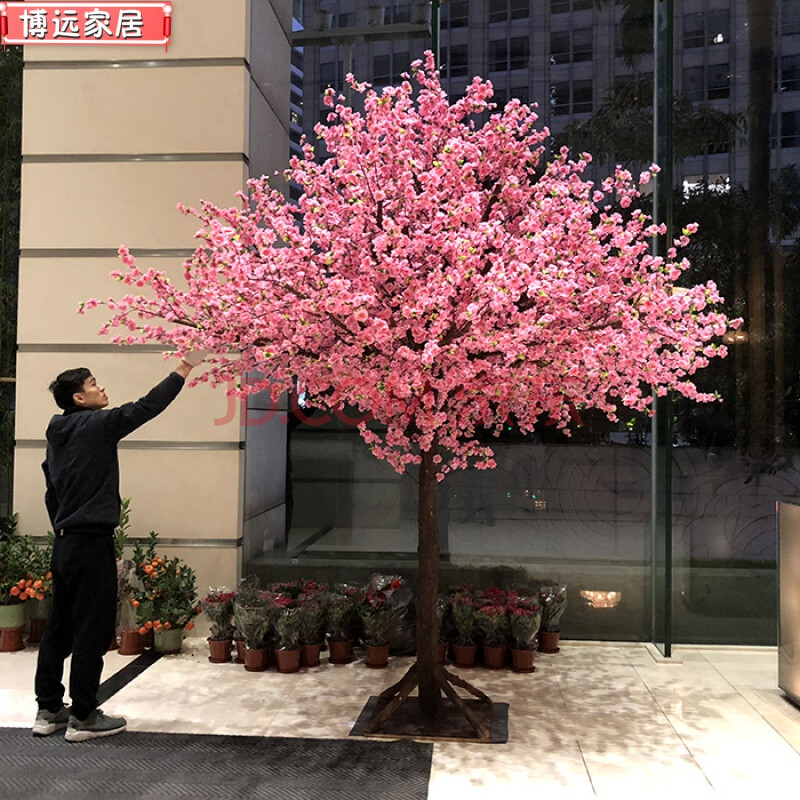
(789, 79)
(455, 60)
(331, 73)
(582, 5)
(559, 98)
(519, 9)
(498, 10)
(455, 14)
(344, 20)
(693, 84)
(498, 56)
(518, 53)
(693, 33)
(398, 13)
(581, 97)
(500, 98)
(719, 81)
(582, 44)
(790, 129)
(718, 27)
(559, 6)
(790, 17)
(381, 70)
(559, 47)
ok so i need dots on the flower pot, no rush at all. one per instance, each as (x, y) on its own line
(309, 655)
(548, 641)
(113, 644)
(465, 654)
(166, 642)
(287, 660)
(377, 656)
(255, 659)
(219, 650)
(240, 648)
(130, 643)
(441, 655)
(341, 652)
(12, 621)
(522, 660)
(148, 638)
(36, 611)
(494, 657)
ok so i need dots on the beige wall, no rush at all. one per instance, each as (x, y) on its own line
(113, 139)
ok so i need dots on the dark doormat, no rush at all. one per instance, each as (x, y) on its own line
(154, 766)
(452, 725)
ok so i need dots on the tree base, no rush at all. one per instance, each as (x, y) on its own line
(453, 709)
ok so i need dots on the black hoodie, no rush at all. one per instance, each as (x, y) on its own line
(82, 468)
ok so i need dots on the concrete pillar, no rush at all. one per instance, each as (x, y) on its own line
(113, 139)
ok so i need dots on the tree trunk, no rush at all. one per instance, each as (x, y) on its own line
(762, 23)
(428, 552)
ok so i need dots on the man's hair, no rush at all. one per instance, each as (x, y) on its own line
(67, 384)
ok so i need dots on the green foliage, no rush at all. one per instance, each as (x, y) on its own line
(462, 605)
(553, 601)
(20, 559)
(120, 535)
(252, 613)
(287, 627)
(376, 616)
(342, 613)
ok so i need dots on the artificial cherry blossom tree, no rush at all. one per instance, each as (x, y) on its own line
(440, 274)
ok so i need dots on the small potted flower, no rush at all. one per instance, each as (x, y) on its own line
(252, 612)
(15, 585)
(465, 648)
(492, 622)
(167, 599)
(376, 617)
(524, 616)
(218, 605)
(553, 601)
(314, 602)
(341, 622)
(37, 606)
(287, 631)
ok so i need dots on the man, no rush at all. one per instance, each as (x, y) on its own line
(82, 479)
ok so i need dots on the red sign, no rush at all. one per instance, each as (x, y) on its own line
(85, 23)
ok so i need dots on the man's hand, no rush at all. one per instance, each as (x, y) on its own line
(195, 357)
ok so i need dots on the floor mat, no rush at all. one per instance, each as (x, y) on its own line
(154, 766)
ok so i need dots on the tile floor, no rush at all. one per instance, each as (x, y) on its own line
(596, 720)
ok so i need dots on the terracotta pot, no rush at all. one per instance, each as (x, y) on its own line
(548, 641)
(130, 643)
(494, 657)
(287, 660)
(219, 650)
(166, 642)
(255, 659)
(465, 654)
(240, 648)
(309, 655)
(441, 655)
(113, 644)
(11, 640)
(36, 628)
(377, 656)
(522, 660)
(341, 652)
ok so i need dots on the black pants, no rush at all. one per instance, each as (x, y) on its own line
(81, 621)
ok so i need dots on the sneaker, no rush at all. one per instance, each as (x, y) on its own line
(97, 724)
(48, 722)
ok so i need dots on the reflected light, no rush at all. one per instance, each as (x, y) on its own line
(601, 599)
(735, 337)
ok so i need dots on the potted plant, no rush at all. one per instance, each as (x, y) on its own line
(167, 599)
(287, 631)
(15, 585)
(524, 616)
(553, 601)
(252, 614)
(492, 622)
(37, 607)
(376, 616)
(465, 649)
(314, 602)
(342, 619)
(144, 553)
(218, 605)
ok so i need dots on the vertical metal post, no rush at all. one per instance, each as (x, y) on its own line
(661, 512)
(435, 28)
